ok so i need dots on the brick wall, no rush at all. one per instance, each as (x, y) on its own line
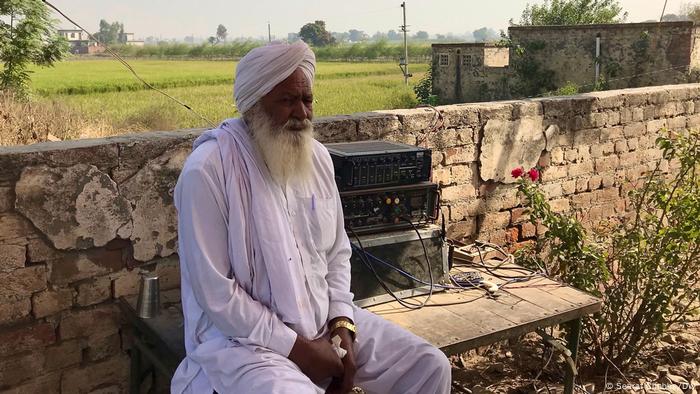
(79, 220)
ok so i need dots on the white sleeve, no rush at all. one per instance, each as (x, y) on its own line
(338, 277)
(204, 254)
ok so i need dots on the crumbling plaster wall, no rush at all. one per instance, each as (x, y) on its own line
(79, 220)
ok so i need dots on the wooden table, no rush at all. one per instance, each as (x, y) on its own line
(452, 321)
(458, 321)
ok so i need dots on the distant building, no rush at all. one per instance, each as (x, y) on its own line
(292, 37)
(470, 72)
(80, 42)
(128, 39)
(609, 56)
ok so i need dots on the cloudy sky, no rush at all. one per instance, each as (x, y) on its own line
(180, 18)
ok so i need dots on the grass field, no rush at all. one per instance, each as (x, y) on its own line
(105, 91)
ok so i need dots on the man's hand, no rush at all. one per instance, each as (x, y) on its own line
(344, 384)
(316, 359)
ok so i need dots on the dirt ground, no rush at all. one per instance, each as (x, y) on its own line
(520, 366)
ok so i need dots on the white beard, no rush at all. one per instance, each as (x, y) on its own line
(287, 151)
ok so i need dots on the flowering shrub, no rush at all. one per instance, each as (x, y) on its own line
(645, 269)
(562, 250)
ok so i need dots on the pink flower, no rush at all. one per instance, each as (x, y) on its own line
(517, 172)
(534, 174)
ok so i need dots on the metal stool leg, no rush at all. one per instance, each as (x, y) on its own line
(135, 370)
(572, 339)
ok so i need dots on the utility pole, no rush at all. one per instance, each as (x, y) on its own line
(663, 11)
(269, 36)
(403, 63)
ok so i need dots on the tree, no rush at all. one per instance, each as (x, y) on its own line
(29, 38)
(357, 35)
(690, 11)
(485, 34)
(110, 33)
(572, 12)
(316, 34)
(211, 40)
(673, 18)
(392, 35)
(340, 37)
(379, 36)
(421, 35)
(221, 33)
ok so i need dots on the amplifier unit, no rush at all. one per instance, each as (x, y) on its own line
(387, 208)
(367, 164)
(401, 249)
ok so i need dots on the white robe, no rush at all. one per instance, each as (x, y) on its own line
(236, 339)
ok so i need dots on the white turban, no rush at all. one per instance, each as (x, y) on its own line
(265, 67)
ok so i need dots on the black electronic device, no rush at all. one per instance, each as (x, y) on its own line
(403, 250)
(370, 164)
(390, 208)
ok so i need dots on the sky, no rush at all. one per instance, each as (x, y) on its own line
(199, 18)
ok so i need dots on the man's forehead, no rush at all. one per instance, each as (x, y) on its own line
(295, 82)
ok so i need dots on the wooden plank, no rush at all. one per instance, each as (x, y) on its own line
(452, 321)
(435, 324)
(530, 291)
(573, 295)
(517, 310)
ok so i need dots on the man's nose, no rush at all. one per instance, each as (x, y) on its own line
(299, 111)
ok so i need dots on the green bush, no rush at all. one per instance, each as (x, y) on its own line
(645, 268)
(569, 89)
(424, 89)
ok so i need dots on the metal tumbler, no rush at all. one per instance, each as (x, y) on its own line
(148, 304)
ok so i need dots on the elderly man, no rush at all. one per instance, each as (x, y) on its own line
(265, 258)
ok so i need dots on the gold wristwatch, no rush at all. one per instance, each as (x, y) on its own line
(345, 324)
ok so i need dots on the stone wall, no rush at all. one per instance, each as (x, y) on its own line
(654, 53)
(631, 55)
(80, 220)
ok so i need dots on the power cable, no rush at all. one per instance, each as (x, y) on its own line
(403, 302)
(128, 66)
(460, 284)
(592, 84)
(379, 280)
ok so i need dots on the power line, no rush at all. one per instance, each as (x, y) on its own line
(128, 66)
(593, 84)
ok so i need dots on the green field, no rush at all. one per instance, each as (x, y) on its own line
(104, 90)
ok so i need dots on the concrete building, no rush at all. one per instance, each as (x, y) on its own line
(470, 72)
(543, 59)
(80, 42)
(128, 39)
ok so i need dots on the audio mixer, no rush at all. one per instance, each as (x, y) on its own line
(372, 164)
(381, 209)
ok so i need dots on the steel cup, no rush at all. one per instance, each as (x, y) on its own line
(148, 304)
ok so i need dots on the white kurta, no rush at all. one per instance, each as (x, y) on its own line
(236, 340)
